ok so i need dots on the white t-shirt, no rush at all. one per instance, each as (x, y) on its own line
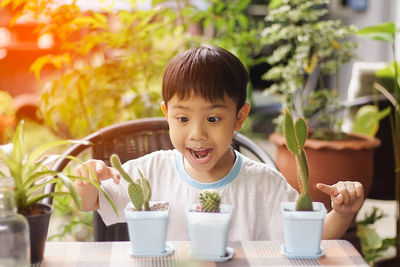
(254, 189)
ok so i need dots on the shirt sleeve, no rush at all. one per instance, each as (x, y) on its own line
(120, 200)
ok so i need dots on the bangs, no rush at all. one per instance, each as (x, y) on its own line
(206, 72)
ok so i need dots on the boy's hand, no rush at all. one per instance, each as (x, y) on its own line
(86, 190)
(100, 169)
(346, 197)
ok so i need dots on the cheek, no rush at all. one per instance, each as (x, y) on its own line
(177, 138)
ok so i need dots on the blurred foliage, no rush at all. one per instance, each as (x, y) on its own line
(307, 49)
(225, 23)
(372, 245)
(7, 117)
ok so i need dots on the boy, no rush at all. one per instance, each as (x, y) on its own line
(204, 91)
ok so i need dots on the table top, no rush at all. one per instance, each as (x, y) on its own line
(246, 253)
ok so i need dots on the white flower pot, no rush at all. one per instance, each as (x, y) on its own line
(208, 232)
(147, 231)
(302, 230)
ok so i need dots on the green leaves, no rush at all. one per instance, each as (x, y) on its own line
(383, 32)
(366, 120)
(31, 171)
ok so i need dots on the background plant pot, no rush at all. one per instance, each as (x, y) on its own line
(330, 162)
(303, 229)
(147, 231)
(208, 231)
(38, 227)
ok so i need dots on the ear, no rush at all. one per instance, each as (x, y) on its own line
(241, 116)
(164, 109)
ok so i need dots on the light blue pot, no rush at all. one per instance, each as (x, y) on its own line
(147, 231)
(208, 232)
(303, 230)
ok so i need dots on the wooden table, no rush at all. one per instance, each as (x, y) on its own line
(246, 253)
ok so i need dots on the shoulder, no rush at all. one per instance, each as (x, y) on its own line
(261, 174)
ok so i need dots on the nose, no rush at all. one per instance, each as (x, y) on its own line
(198, 131)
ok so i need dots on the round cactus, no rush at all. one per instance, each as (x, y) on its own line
(210, 200)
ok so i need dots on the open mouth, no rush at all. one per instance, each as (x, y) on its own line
(200, 153)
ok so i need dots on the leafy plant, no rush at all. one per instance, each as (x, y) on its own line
(106, 67)
(386, 32)
(372, 245)
(31, 172)
(367, 118)
(296, 136)
(307, 50)
(226, 24)
(210, 200)
(139, 190)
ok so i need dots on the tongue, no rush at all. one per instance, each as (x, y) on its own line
(201, 153)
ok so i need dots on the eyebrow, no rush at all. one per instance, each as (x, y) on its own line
(212, 106)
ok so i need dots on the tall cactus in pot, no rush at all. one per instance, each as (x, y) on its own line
(296, 136)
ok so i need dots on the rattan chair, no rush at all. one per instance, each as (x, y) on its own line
(130, 140)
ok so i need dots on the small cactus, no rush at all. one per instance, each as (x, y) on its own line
(210, 200)
(296, 135)
(139, 190)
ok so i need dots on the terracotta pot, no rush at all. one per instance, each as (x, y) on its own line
(330, 162)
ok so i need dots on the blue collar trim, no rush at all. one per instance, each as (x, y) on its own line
(221, 183)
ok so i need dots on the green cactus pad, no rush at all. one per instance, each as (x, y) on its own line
(296, 136)
(145, 183)
(304, 203)
(301, 133)
(210, 200)
(136, 195)
(116, 163)
(289, 133)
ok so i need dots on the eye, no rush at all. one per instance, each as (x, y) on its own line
(213, 119)
(183, 119)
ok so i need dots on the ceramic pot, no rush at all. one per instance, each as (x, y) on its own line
(302, 230)
(38, 228)
(208, 232)
(147, 231)
(329, 162)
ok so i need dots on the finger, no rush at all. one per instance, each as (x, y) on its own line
(342, 189)
(359, 190)
(115, 175)
(338, 200)
(328, 189)
(351, 191)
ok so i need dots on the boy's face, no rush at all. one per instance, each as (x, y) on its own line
(202, 131)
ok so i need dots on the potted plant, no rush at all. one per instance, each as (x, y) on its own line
(386, 32)
(308, 51)
(302, 221)
(31, 172)
(208, 225)
(147, 221)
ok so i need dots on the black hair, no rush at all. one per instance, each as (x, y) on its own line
(207, 71)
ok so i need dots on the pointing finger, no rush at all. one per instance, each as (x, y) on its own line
(328, 189)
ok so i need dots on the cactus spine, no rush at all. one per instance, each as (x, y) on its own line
(210, 200)
(296, 135)
(139, 191)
